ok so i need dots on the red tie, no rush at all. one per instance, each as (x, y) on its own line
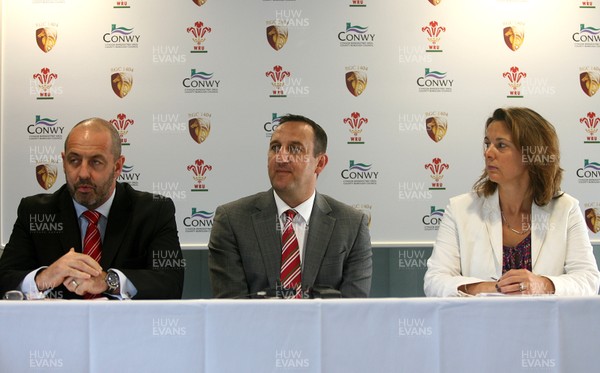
(290, 276)
(91, 242)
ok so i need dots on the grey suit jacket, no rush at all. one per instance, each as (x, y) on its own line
(245, 248)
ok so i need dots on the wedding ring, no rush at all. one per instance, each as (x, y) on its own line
(522, 287)
(74, 283)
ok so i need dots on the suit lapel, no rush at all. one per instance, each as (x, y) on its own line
(265, 223)
(319, 234)
(71, 237)
(119, 217)
(493, 224)
(540, 216)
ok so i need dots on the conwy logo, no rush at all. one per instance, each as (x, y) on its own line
(199, 32)
(434, 81)
(433, 219)
(592, 219)
(121, 81)
(121, 123)
(587, 36)
(514, 36)
(436, 127)
(591, 122)
(589, 173)
(120, 37)
(45, 81)
(433, 31)
(201, 82)
(199, 221)
(199, 128)
(45, 38)
(277, 76)
(356, 79)
(514, 76)
(130, 177)
(46, 175)
(356, 36)
(277, 34)
(270, 126)
(44, 129)
(437, 168)
(590, 81)
(199, 169)
(355, 122)
(359, 173)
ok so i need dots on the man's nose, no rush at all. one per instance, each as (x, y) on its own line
(283, 155)
(84, 171)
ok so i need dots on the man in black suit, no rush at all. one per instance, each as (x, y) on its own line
(140, 254)
(245, 246)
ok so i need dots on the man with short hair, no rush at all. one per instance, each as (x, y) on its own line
(290, 237)
(107, 235)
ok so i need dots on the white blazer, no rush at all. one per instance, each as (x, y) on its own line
(468, 248)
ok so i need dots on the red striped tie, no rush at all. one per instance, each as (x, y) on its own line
(92, 245)
(290, 276)
(91, 242)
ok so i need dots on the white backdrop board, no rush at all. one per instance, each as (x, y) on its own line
(197, 87)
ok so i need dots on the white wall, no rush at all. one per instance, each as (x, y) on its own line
(393, 52)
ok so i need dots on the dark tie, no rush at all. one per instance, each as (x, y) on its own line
(290, 276)
(92, 245)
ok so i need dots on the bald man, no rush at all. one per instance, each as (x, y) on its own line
(132, 250)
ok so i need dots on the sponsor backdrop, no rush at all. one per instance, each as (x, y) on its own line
(196, 88)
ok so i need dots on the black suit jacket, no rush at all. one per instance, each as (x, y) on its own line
(245, 248)
(140, 240)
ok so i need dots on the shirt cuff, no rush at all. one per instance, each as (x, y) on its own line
(29, 288)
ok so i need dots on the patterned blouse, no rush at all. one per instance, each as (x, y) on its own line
(518, 257)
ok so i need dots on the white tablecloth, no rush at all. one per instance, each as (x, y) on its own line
(539, 334)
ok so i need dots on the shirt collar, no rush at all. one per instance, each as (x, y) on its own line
(304, 209)
(102, 209)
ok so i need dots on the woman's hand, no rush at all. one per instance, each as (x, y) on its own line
(522, 281)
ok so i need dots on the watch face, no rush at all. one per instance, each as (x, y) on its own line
(112, 280)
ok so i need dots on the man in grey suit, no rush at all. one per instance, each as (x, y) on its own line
(245, 246)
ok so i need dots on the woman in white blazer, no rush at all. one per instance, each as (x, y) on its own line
(516, 232)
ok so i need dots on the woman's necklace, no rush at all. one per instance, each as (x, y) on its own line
(514, 230)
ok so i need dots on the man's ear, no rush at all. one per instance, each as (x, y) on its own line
(119, 166)
(322, 160)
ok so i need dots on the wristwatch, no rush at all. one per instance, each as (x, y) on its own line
(112, 281)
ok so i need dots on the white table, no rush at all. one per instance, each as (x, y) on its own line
(524, 334)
